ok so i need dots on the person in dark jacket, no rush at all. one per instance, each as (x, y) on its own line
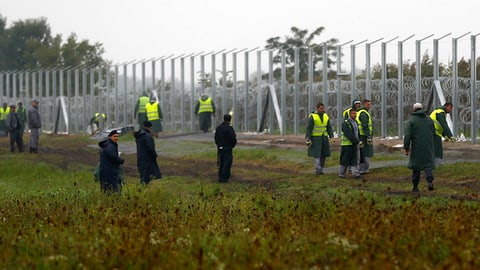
(14, 126)
(418, 143)
(350, 151)
(110, 161)
(225, 139)
(318, 134)
(146, 154)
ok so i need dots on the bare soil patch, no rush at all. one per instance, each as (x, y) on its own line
(60, 145)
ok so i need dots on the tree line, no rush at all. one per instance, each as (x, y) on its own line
(29, 45)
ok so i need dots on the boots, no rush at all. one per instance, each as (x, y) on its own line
(430, 186)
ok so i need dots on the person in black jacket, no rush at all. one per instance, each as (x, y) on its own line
(225, 139)
(110, 162)
(14, 126)
(146, 155)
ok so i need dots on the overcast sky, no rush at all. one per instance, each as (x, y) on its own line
(143, 29)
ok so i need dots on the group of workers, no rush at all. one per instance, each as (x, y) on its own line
(149, 116)
(148, 109)
(13, 121)
(422, 142)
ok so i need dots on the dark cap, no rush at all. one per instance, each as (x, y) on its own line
(13, 106)
(227, 117)
(147, 123)
(113, 132)
(35, 101)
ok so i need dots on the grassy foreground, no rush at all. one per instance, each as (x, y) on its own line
(53, 216)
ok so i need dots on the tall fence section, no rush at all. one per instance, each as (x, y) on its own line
(242, 82)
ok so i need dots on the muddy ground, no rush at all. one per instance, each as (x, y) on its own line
(87, 155)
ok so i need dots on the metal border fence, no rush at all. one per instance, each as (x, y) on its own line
(69, 96)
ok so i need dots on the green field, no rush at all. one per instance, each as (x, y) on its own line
(274, 214)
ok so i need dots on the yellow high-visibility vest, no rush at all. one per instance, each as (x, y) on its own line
(104, 117)
(319, 127)
(345, 140)
(360, 127)
(142, 102)
(346, 113)
(205, 105)
(438, 127)
(152, 111)
(4, 113)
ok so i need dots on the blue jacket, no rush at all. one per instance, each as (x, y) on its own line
(146, 155)
(110, 162)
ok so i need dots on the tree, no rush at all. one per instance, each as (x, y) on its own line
(75, 53)
(24, 38)
(3, 41)
(29, 45)
(302, 40)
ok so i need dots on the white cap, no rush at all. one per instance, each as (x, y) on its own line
(417, 106)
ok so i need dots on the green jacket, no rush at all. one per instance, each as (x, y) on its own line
(441, 129)
(419, 135)
(320, 144)
(348, 152)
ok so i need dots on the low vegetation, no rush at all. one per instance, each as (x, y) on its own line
(274, 214)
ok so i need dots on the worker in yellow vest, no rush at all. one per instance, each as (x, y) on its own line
(4, 111)
(351, 144)
(140, 111)
(318, 134)
(365, 129)
(205, 108)
(439, 117)
(356, 104)
(22, 117)
(155, 116)
(95, 122)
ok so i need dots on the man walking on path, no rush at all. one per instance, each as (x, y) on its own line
(418, 144)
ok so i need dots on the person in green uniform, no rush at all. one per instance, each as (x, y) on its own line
(140, 111)
(439, 117)
(365, 128)
(155, 116)
(418, 144)
(318, 134)
(350, 150)
(205, 107)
